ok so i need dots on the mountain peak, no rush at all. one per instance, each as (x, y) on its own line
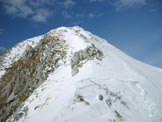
(71, 75)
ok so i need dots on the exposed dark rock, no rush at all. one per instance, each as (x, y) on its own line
(100, 97)
(26, 74)
(82, 56)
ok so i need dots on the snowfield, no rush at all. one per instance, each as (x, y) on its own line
(116, 88)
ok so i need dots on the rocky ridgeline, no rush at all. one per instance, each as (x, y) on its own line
(29, 72)
(81, 57)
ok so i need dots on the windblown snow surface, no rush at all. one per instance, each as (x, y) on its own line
(117, 88)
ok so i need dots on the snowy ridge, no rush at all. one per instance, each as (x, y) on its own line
(16, 52)
(107, 86)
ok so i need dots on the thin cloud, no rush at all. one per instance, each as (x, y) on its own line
(37, 10)
(17, 7)
(1, 31)
(132, 2)
(28, 9)
(68, 3)
(66, 14)
(96, 0)
(80, 15)
(91, 15)
(41, 15)
(119, 4)
(41, 3)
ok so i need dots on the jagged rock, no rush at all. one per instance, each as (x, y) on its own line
(89, 53)
(99, 55)
(74, 59)
(29, 72)
(28, 52)
(75, 70)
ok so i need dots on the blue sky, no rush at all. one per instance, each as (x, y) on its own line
(134, 26)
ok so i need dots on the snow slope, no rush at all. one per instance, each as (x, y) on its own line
(117, 88)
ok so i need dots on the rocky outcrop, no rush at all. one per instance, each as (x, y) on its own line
(28, 71)
(81, 57)
(26, 74)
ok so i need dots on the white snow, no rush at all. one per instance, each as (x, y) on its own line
(134, 88)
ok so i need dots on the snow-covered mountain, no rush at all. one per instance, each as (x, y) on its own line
(71, 75)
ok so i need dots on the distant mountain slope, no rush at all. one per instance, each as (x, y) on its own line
(71, 75)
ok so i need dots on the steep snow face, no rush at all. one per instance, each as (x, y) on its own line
(96, 83)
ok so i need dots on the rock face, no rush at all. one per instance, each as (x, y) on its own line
(81, 57)
(71, 75)
(29, 72)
